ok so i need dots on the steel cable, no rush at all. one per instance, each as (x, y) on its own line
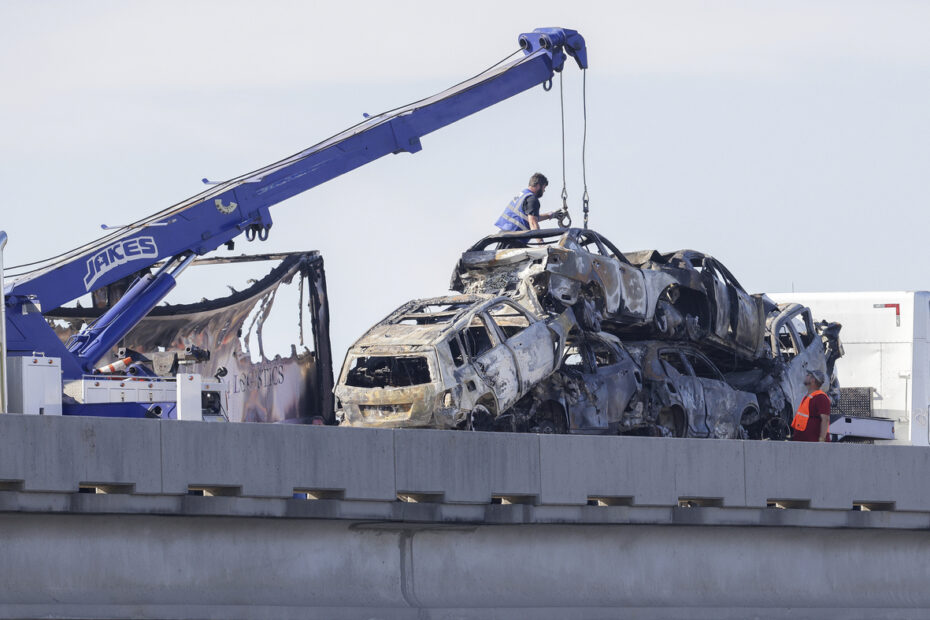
(584, 144)
(562, 110)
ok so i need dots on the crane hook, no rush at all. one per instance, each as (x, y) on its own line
(584, 206)
(565, 219)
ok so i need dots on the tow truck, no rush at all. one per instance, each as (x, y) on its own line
(174, 237)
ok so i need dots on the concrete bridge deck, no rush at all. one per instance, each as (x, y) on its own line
(98, 519)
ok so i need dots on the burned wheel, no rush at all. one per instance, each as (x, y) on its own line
(479, 419)
(547, 427)
(775, 429)
(751, 425)
(549, 420)
(672, 420)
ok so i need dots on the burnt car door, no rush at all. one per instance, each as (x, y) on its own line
(684, 386)
(583, 393)
(595, 380)
(797, 350)
(747, 312)
(623, 284)
(721, 408)
(493, 361)
(616, 379)
(633, 294)
(738, 316)
(598, 381)
(719, 297)
(464, 375)
(529, 341)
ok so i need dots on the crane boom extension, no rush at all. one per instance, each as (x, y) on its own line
(240, 205)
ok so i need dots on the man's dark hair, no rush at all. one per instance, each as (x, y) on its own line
(538, 179)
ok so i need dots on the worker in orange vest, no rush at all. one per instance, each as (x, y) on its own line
(812, 421)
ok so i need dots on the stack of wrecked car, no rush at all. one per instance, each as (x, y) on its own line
(556, 330)
(712, 359)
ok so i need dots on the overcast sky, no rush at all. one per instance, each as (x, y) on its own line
(789, 139)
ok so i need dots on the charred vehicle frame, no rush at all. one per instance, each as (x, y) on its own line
(795, 345)
(680, 295)
(597, 382)
(448, 362)
(709, 305)
(686, 395)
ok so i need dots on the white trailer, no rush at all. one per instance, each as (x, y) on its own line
(887, 353)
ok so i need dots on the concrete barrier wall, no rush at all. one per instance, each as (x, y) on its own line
(503, 526)
(168, 458)
(182, 567)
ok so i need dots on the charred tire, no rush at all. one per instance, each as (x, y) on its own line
(751, 424)
(479, 419)
(775, 429)
(548, 427)
(672, 419)
(549, 420)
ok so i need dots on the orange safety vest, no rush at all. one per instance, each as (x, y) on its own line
(804, 411)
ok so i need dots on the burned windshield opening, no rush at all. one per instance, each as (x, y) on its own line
(375, 372)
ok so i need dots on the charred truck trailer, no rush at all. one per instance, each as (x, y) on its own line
(885, 371)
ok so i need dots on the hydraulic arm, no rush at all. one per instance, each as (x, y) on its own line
(240, 205)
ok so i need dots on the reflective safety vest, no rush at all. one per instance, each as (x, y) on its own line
(514, 217)
(804, 411)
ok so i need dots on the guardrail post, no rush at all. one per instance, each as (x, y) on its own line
(3, 238)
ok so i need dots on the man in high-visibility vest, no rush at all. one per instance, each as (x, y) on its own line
(523, 211)
(812, 421)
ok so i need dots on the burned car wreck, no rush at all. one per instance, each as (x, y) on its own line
(548, 269)
(708, 304)
(448, 362)
(654, 388)
(794, 345)
(595, 391)
(686, 395)
(679, 295)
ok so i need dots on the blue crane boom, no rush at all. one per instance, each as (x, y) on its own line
(241, 205)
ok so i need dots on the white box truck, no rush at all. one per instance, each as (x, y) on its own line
(887, 355)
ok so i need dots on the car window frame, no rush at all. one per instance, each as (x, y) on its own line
(494, 337)
(584, 237)
(725, 274)
(615, 253)
(689, 371)
(587, 363)
(503, 337)
(700, 356)
(593, 342)
(795, 337)
(808, 320)
(460, 341)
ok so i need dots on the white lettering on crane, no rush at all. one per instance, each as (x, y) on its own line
(117, 254)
